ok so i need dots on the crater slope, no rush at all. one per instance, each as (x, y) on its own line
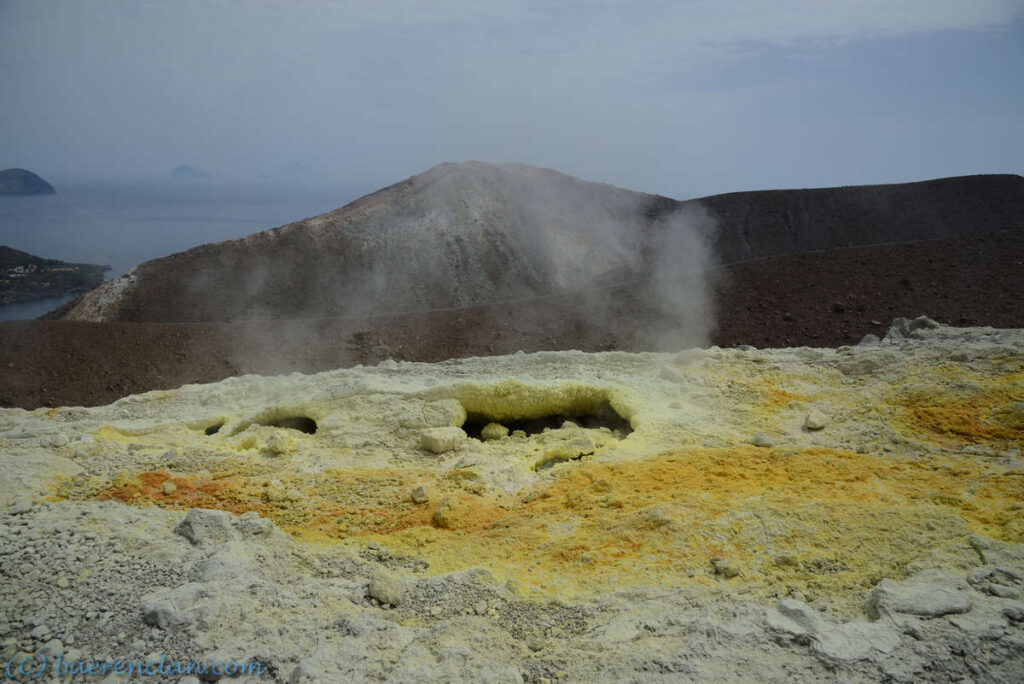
(474, 233)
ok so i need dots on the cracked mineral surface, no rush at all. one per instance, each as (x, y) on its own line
(771, 515)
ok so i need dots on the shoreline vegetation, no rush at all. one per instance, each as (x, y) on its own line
(25, 277)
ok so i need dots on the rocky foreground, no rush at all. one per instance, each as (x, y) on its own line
(723, 514)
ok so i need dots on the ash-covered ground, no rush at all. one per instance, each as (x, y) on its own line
(787, 515)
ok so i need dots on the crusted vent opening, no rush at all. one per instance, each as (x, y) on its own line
(604, 416)
(214, 429)
(300, 423)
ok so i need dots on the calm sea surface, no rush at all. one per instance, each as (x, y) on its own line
(123, 225)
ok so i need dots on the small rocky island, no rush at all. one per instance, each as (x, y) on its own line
(22, 182)
(25, 277)
(188, 172)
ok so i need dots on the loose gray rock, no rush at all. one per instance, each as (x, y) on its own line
(869, 340)
(421, 494)
(989, 624)
(53, 647)
(22, 505)
(1002, 591)
(815, 420)
(170, 608)
(204, 527)
(924, 599)
(387, 589)
(250, 524)
(762, 440)
(1014, 611)
(794, 618)
(230, 561)
(855, 641)
(902, 329)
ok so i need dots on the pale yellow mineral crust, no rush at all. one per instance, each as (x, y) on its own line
(573, 476)
(828, 508)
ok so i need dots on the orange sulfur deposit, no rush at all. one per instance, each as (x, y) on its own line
(774, 520)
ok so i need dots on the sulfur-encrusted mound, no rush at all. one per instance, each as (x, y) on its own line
(590, 517)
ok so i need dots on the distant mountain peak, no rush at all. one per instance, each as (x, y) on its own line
(186, 171)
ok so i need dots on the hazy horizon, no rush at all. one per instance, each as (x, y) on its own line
(683, 99)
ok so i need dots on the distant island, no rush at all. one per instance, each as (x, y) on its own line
(186, 171)
(22, 182)
(25, 277)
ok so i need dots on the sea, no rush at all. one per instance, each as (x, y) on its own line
(122, 225)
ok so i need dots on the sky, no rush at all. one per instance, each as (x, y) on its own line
(680, 97)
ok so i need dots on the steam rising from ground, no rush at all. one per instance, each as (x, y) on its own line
(459, 235)
(510, 232)
(683, 279)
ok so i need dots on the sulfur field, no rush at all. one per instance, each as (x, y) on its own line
(771, 515)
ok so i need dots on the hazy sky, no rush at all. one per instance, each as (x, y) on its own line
(683, 97)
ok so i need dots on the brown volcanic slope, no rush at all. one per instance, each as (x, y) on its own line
(961, 262)
(475, 233)
(753, 225)
(457, 235)
(785, 301)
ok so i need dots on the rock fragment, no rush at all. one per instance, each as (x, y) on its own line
(794, 618)
(902, 329)
(22, 505)
(853, 641)
(250, 524)
(205, 527)
(442, 439)
(493, 431)
(726, 567)
(53, 647)
(279, 443)
(762, 440)
(1000, 581)
(815, 420)
(924, 599)
(1014, 611)
(173, 607)
(387, 589)
(448, 514)
(421, 494)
